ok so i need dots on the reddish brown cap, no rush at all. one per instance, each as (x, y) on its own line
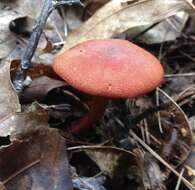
(109, 67)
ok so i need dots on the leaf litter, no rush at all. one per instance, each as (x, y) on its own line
(35, 155)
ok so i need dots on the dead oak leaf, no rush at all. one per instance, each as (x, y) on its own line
(36, 157)
(116, 17)
(39, 162)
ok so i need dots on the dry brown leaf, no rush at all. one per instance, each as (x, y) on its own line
(39, 162)
(37, 142)
(118, 16)
(9, 102)
(39, 88)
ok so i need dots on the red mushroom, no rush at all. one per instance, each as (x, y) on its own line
(109, 68)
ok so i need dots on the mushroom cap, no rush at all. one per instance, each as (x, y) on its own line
(110, 68)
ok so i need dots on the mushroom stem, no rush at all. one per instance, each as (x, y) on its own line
(96, 109)
(48, 7)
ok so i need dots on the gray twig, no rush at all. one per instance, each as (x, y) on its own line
(48, 7)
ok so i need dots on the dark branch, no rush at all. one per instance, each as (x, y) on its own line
(48, 7)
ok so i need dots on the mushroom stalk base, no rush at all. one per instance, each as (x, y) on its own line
(48, 7)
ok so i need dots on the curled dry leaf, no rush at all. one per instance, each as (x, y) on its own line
(39, 88)
(118, 16)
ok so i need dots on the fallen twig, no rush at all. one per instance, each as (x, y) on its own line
(48, 7)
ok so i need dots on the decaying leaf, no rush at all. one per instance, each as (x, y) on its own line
(9, 103)
(167, 30)
(9, 11)
(109, 159)
(118, 16)
(17, 18)
(22, 125)
(119, 165)
(36, 157)
(39, 162)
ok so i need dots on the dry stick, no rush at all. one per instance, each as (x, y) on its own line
(179, 180)
(180, 75)
(158, 112)
(188, 184)
(48, 7)
(21, 171)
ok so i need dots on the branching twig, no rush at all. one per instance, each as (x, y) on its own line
(48, 7)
